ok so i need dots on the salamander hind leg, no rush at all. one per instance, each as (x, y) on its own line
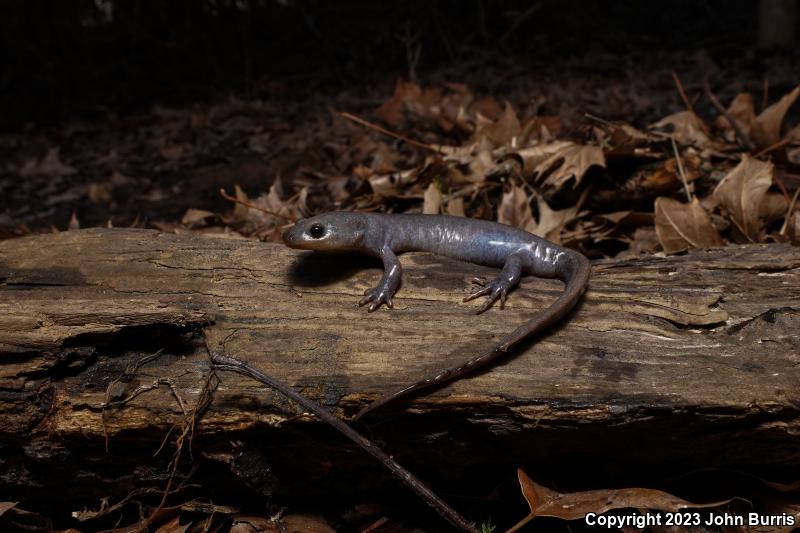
(498, 287)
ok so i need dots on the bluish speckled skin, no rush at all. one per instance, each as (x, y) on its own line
(482, 242)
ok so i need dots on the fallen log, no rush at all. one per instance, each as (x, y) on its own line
(105, 339)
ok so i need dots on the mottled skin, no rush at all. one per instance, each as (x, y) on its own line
(482, 242)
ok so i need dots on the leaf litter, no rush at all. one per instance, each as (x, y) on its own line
(487, 160)
(445, 149)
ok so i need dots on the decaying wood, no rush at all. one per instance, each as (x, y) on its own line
(695, 357)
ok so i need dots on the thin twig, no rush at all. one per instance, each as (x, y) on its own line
(368, 124)
(681, 172)
(768, 149)
(743, 139)
(599, 120)
(681, 91)
(253, 206)
(765, 94)
(224, 362)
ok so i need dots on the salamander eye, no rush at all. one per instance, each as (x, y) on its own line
(316, 231)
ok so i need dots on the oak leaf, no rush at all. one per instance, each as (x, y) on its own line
(552, 222)
(767, 128)
(624, 139)
(576, 505)
(515, 210)
(741, 192)
(687, 128)
(741, 110)
(566, 160)
(499, 132)
(681, 226)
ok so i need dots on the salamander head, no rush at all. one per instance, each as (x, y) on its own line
(331, 232)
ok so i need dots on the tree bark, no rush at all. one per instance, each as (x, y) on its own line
(104, 337)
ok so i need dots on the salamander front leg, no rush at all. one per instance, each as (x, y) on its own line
(499, 286)
(382, 294)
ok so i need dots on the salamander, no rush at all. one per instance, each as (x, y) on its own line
(482, 242)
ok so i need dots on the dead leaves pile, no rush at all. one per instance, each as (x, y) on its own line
(694, 179)
(604, 186)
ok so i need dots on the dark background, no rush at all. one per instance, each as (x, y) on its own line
(79, 57)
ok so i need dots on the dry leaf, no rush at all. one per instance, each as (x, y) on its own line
(194, 218)
(384, 159)
(409, 97)
(741, 192)
(240, 209)
(533, 156)
(681, 226)
(551, 223)
(500, 132)
(767, 128)
(479, 165)
(772, 207)
(277, 211)
(5, 506)
(390, 185)
(666, 177)
(575, 161)
(100, 192)
(455, 207)
(470, 163)
(488, 107)
(50, 165)
(742, 110)
(515, 210)
(643, 241)
(687, 128)
(253, 524)
(432, 203)
(624, 139)
(576, 505)
(74, 224)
